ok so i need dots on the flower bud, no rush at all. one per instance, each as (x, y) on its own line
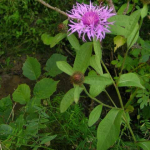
(77, 78)
(62, 27)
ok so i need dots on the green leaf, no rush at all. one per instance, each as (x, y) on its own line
(97, 50)
(94, 115)
(144, 145)
(22, 94)
(133, 37)
(31, 68)
(67, 100)
(97, 80)
(5, 131)
(130, 79)
(74, 42)
(96, 66)
(77, 91)
(123, 8)
(96, 89)
(83, 57)
(133, 20)
(47, 39)
(47, 139)
(124, 25)
(65, 67)
(57, 39)
(51, 66)
(45, 88)
(109, 129)
(144, 11)
(119, 41)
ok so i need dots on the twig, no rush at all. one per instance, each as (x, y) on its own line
(53, 8)
(111, 4)
(127, 8)
(11, 112)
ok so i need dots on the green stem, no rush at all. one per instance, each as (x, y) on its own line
(128, 51)
(117, 90)
(98, 101)
(131, 98)
(120, 99)
(110, 98)
(130, 129)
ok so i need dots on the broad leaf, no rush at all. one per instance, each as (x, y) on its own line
(57, 39)
(31, 68)
(144, 145)
(124, 25)
(51, 66)
(74, 42)
(83, 57)
(45, 88)
(130, 79)
(22, 94)
(65, 67)
(94, 115)
(109, 129)
(67, 100)
(5, 131)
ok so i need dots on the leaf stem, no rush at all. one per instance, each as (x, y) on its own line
(98, 101)
(117, 90)
(128, 51)
(110, 98)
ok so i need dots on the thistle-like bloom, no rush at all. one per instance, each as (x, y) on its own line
(90, 20)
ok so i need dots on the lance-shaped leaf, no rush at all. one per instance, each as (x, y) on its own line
(133, 37)
(83, 57)
(96, 66)
(97, 50)
(130, 79)
(144, 11)
(77, 92)
(67, 100)
(65, 67)
(94, 115)
(57, 39)
(47, 39)
(109, 129)
(74, 42)
(96, 89)
(31, 68)
(95, 80)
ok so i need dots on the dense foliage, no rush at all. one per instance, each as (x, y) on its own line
(101, 101)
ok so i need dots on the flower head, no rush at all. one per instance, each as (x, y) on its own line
(90, 20)
(77, 78)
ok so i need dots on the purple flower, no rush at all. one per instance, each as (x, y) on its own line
(90, 20)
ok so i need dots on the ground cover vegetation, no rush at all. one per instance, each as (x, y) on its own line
(81, 83)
